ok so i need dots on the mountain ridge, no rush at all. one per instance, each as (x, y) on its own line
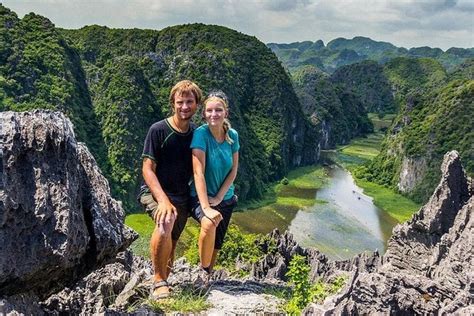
(342, 51)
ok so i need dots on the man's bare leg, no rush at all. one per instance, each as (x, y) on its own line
(171, 258)
(161, 247)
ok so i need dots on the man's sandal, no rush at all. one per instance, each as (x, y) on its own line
(159, 284)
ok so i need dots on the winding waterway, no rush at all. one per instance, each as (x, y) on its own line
(342, 222)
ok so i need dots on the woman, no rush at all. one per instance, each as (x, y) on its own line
(215, 148)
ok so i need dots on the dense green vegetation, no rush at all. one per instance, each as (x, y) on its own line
(368, 82)
(39, 70)
(340, 52)
(333, 108)
(303, 291)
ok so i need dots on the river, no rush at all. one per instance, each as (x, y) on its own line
(342, 222)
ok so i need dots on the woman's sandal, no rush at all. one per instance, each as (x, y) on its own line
(159, 284)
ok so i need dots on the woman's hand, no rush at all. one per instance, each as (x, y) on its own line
(214, 200)
(213, 215)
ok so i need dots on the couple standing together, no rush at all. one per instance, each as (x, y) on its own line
(189, 171)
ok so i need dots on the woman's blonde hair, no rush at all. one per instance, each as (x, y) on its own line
(220, 97)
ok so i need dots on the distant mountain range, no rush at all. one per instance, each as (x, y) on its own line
(341, 51)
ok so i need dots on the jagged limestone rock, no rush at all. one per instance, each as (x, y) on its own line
(427, 268)
(274, 265)
(57, 217)
(114, 286)
(21, 304)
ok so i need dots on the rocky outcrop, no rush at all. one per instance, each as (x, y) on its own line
(427, 268)
(58, 220)
(111, 288)
(281, 248)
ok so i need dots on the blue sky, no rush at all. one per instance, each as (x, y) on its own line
(407, 23)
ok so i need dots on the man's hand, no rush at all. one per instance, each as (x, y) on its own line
(165, 212)
(213, 215)
(214, 200)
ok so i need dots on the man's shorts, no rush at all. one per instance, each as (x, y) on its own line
(150, 205)
(225, 208)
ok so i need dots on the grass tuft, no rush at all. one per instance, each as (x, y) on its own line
(184, 300)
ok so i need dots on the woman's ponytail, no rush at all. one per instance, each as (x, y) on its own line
(227, 127)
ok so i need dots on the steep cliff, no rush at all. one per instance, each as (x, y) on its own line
(436, 115)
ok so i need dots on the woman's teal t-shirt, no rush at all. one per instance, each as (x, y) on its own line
(218, 159)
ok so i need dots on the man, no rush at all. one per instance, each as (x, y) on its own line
(167, 170)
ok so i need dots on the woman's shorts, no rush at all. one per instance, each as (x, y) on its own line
(225, 208)
(150, 205)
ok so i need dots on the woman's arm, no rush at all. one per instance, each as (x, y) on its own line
(199, 166)
(227, 182)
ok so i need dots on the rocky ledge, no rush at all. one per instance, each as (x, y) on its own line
(63, 244)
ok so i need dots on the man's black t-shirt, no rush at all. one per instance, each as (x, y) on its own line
(172, 153)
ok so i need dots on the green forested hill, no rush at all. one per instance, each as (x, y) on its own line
(39, 70)
(369, 83)
(336, 110)
(436, 115)
(114, 84)
(463, 71)
(341, 51)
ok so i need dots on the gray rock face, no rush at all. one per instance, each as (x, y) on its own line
(427, 268)
(57, 218)
(112, 287)
(413, 170)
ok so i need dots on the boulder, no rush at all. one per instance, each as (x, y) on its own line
(58, 220)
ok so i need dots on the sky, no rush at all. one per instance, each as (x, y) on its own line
(406, 23)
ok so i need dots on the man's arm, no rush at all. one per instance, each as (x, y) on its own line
(165, 208)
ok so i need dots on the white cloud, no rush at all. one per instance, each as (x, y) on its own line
(436, 23)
